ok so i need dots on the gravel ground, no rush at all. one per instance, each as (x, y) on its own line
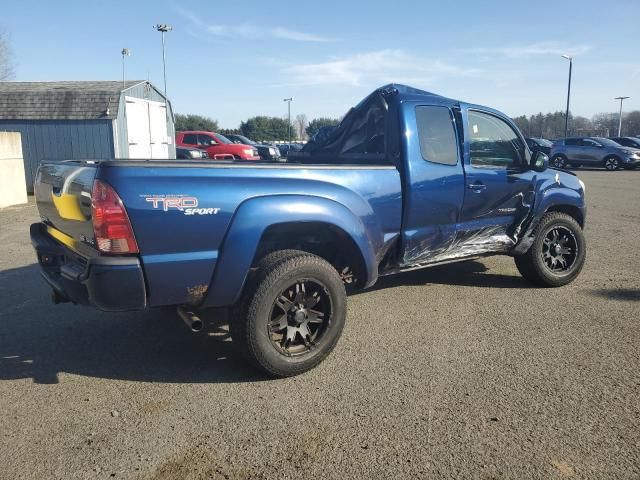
(460, 371)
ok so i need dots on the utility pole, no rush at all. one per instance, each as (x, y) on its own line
(164, 28)
(620, 115)
(289, 100)
(566, 118)
(125, 53)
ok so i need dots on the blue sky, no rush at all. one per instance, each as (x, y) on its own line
(233, 60)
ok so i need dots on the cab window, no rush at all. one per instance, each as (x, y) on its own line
(587, 142)
(206, 140)
(190, 139)
(493, 143)
(437, 136)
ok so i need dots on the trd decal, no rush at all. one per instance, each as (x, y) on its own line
(187, 205)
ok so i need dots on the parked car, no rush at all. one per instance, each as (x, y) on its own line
(267, 152)
(593, 151)
(539, 145)
(188, 153)
(631, 142)
(286, 148)
(217, 146)
(277, 244)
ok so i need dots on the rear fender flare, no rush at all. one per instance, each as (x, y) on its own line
(251, 220)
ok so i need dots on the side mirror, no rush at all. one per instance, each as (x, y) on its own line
(540, 162)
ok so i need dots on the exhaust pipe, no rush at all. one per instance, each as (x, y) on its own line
(191, 320)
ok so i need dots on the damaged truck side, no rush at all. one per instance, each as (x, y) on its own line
(409, 179)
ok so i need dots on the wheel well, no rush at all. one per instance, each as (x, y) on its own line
(322, 239)
(569, 210)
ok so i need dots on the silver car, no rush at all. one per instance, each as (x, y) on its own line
(593, 152)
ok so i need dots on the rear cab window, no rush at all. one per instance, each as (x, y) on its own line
(437, 136)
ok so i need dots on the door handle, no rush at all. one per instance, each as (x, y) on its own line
(477, 187)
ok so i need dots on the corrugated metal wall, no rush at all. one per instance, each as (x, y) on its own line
(147, 92)
(59, 140)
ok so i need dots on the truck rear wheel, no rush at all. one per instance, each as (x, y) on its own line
(557, 254)
(292, 313)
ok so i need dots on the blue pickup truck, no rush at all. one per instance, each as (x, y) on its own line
(407, 180)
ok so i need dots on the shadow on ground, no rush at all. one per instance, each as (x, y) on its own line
(39, 340)
(622, 294)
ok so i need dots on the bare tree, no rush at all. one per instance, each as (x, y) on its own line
(6, 65)
(300, 124)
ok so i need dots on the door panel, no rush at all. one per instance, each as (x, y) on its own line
(590, 152)
(147, 128)
(499, 190)
(139, 136)
(435, 184)
(158, 130)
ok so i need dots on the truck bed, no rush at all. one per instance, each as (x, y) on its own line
(181, 212)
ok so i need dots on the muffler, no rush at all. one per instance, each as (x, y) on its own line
(192, 320)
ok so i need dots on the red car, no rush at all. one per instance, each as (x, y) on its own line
(217, 146)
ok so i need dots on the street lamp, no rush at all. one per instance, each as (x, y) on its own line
(620, 116)
(289, 100)
(164, 28)
(566, 118)
(125, 53)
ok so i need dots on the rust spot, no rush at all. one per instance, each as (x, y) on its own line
(197, 292)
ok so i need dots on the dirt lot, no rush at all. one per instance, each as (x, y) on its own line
(461, 371)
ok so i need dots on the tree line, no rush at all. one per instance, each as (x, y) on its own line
(551, 125)
(260, 128)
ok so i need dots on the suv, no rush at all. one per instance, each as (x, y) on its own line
(593, 151)
(217, 146)
(631, 142)
(266, 152)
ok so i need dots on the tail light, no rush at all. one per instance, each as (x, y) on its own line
(111, 224)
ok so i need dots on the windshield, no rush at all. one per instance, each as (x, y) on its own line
(222, 138)
(544, 143)
(245, 140)
(606, 142)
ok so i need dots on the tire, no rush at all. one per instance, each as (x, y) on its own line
(611, 163)
(534, 264)
(273, 315)
(559, 161)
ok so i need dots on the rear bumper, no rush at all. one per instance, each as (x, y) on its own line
(108, 283)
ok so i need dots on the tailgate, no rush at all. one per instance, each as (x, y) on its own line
(63, 197)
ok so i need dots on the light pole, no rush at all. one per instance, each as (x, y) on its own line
(164, 28)
(620, 116)
(125, 53)
(566, 118)
(289, 100)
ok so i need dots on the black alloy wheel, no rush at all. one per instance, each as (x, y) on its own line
(299, 317)
(559, 249)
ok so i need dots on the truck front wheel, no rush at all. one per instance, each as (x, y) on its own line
(292, 313)
(557, 254)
